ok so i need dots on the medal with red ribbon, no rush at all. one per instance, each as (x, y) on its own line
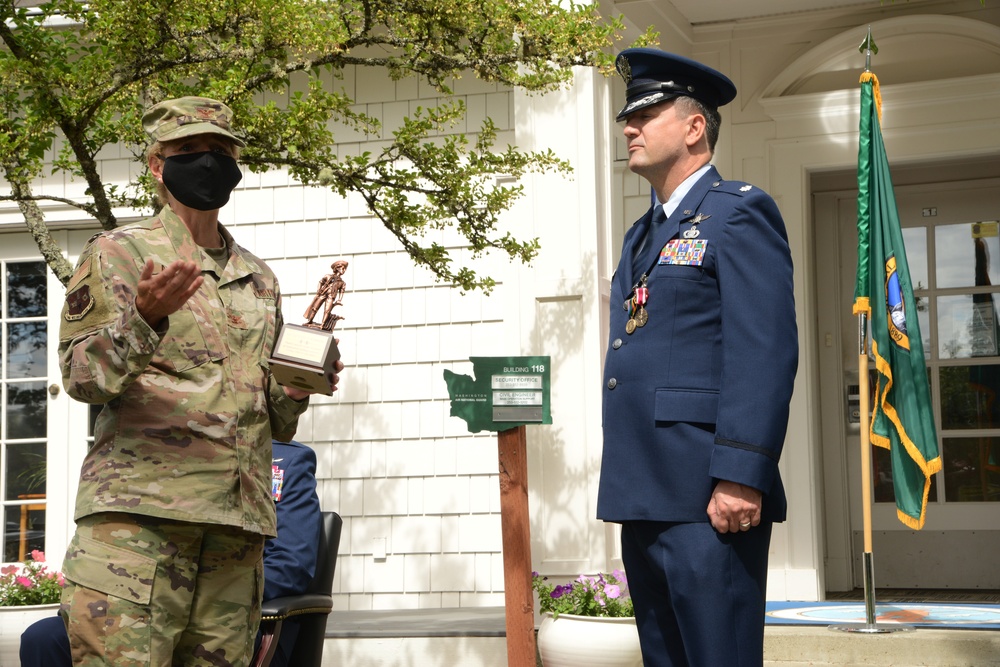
(637, 314)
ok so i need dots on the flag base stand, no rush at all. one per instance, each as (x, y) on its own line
(870, 627)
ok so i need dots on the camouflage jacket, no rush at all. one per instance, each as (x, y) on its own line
(190, 408)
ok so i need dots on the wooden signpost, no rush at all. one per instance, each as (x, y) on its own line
(518, 596)
(506, 394)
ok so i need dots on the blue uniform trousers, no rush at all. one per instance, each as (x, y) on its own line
(699, 594)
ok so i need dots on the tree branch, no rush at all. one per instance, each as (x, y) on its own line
(35, 221)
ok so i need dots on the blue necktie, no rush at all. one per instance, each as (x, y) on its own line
(648, 250)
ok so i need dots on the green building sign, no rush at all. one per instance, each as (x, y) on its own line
(504, 392)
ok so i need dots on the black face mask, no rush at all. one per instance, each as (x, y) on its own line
(202, 181)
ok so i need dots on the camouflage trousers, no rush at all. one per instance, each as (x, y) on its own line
(147, 592)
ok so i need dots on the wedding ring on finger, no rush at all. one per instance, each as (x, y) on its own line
(744, 525)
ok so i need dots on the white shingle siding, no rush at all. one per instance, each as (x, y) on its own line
(392, 461)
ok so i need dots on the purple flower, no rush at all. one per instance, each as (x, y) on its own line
(598, 595)
(560, 590)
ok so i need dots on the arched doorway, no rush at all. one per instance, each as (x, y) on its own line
(940, 126)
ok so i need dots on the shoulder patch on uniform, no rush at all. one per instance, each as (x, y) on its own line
(79, 302)
(85, 307)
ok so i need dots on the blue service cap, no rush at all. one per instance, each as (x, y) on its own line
(653, 76)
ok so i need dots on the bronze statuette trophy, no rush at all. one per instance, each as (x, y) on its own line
(305, 354)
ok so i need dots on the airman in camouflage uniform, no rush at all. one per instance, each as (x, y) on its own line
(173, 336)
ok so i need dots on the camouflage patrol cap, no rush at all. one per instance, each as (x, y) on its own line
(187, 117)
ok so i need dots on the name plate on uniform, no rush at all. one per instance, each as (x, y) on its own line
(304, 358)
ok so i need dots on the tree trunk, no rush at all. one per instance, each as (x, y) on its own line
(35, 220)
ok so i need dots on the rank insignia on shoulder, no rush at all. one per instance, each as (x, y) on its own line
(78, 303)
(746, 188)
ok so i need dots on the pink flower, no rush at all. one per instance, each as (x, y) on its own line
(37, 556)
(10, 569)
(612, 591)
(24, 581)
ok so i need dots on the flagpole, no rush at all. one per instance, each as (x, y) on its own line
(867, 556)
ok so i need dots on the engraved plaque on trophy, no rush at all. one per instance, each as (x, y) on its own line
(304, 355)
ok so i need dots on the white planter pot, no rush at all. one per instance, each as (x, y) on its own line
(13, 621)
(585, 641)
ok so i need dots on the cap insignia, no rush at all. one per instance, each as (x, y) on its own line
(624, 69)
(207, 112)
(205, 115)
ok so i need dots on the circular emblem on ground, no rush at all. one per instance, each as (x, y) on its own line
(922, 614)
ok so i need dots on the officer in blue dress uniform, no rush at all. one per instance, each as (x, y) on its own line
(698, 377)
(289, 559)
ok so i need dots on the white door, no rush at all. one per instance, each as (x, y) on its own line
(23, 405)
(43, 433)
(952, 239)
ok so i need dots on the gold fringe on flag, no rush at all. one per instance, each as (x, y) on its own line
(876, 93)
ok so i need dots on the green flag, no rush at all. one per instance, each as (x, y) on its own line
(902, 418)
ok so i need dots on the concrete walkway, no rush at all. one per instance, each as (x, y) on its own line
(818, 646)
(476, 637)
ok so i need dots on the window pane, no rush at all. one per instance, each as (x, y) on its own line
(882, 478)
(26, 292)
(967, 326)
(924, 319)
(25, 474)
(964, 252)
(25, 410)
(24, 530)
(26, 348)
(971, 469)
(915, 242)
(969, 397)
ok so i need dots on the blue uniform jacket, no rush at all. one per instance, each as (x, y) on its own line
(290, 558)
(701, 392)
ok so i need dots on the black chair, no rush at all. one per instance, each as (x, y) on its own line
(309, 609)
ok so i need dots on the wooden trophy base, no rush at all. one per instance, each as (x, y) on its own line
(304, 358)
